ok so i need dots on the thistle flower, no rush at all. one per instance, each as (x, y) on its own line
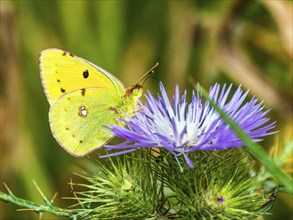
(183, 127)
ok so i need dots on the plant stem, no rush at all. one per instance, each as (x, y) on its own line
(35, 206)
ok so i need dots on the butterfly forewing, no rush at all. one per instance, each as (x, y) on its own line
(63, 72)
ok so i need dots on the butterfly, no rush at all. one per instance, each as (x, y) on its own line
(84, 99)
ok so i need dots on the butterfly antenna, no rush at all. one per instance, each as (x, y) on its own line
(148, 73)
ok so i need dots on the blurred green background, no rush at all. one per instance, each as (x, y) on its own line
(244, 42)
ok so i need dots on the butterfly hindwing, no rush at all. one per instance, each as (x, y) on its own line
(78, 119)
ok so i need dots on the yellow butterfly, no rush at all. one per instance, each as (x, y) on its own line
(83, 98)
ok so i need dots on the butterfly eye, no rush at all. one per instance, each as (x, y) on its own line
(137, 91)
(82, 111)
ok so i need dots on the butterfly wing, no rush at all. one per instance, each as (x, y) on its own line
(63, 72)
(78, 119)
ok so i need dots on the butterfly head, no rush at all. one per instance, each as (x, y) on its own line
(134, 91)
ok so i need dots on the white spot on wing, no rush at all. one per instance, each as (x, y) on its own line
(82, 111)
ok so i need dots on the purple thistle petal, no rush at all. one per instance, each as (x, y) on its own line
(186, 127)
(220, 200)
(117, 153)
(188, 161)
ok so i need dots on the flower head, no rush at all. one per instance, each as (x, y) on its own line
(181, 127)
